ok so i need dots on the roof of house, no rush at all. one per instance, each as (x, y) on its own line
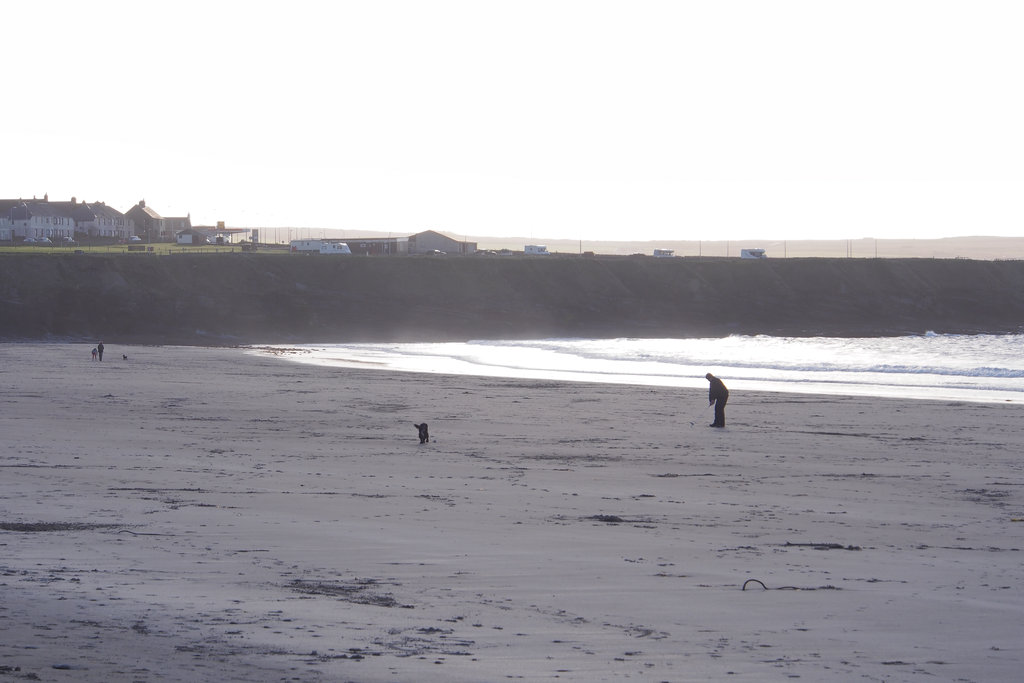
(148, 211)
(81, 212)
(99, 209)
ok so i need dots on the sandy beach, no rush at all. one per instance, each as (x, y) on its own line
(207, 515)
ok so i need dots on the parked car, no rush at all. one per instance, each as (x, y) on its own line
(29, 240)
(44, 240)
(134, 238)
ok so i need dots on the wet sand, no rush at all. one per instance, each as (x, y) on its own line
(201, 514)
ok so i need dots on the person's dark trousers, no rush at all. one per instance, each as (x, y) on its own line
(719, 412)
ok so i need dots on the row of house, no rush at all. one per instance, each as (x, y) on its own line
(37, 218)
(59, 221)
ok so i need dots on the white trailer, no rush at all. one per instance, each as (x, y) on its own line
(334, 248)
(664, 253)
(537, 250)
(306, 245)
(753, 253)
(319, 247)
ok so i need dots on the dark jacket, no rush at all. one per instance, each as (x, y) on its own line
(717, 391)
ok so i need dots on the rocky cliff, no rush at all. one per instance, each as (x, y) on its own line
(278, 298)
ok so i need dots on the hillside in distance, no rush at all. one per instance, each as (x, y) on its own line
(284, 298)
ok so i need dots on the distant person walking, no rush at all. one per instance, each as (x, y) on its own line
(717, 394)
(94, 353)
(99, 350)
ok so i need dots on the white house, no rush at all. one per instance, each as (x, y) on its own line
(37, 218)
(99, 220)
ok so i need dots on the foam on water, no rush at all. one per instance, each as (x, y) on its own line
(984, 368)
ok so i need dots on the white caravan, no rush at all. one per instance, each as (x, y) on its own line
(319, 247)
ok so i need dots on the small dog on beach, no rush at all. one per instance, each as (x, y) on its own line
(124, 356)
(424, 434)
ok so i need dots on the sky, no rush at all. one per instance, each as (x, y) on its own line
(571, 119)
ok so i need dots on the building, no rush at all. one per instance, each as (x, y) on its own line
(220, 234)
(99, 220)
(148, 223)
(190, 236)
(35, 218)
(428, 242)
(379, 246)
(152, 227)
(6, 224)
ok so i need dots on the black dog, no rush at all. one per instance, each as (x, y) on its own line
(124, 356)
(424, 434)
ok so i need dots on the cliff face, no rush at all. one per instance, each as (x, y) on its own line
(262, 298)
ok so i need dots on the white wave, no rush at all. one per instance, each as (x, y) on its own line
(962, 367)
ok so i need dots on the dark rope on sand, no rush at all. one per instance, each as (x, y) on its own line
(140, 533)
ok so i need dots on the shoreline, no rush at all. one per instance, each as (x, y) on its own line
(193, 514)
(333, 357)
(282, 350)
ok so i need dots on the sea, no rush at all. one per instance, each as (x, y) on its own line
(974, 368)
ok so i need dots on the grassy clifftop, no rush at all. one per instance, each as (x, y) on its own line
(259, 298)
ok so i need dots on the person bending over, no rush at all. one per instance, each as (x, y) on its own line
(718, 395)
